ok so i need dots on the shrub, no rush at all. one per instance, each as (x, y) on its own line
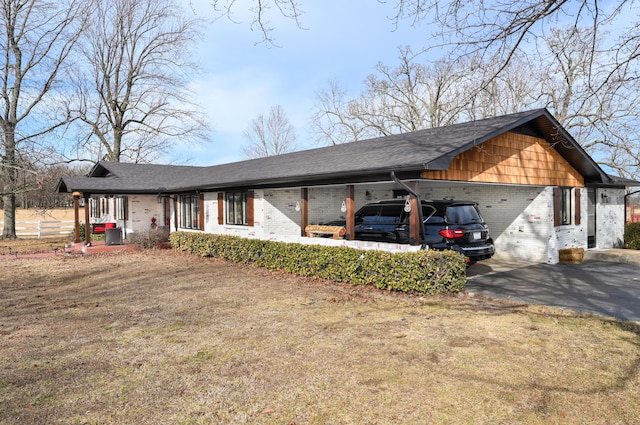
(632, 236)
(150, 238)
(82, 231)
(425, 272)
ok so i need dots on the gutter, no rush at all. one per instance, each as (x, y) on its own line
(414, 193)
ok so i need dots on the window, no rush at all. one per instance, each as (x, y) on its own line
(94, 205)
(191, 212)
(238, 208)
(104, 204)
(122, 209)
(563, 204)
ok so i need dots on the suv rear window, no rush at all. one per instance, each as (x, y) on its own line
(463, 214)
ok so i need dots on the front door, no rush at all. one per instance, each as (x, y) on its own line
(591, 218)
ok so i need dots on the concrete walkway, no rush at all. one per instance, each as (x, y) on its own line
(607, 283)
(624, 256)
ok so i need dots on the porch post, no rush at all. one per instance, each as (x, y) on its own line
(414, 216)
(175, 212)
(76, 213)
(304, 210)
(87, 224)
(351, 213)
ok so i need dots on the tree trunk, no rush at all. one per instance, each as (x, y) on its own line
(9, 231)
(10, 175)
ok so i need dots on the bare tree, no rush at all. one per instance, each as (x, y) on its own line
(273, 135)
(413, 96)
(408, 97)
(262, 12)
(36, 40)
(132, 95)
(592, 98)
(501, 28)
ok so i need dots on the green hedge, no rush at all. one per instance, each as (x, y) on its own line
(632, 236)
(424, 272)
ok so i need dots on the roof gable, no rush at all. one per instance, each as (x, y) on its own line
(511, 158)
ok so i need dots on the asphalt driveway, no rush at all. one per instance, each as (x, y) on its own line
(604, 288)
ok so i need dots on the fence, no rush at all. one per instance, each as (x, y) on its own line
(633, 214)
(42, 229)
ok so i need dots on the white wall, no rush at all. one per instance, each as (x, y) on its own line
(280, 217)
(609, 218)
(142, 208)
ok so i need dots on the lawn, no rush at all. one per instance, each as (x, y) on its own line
(157, 337)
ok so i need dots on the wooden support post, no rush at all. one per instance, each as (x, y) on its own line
(414, 216)
(76, 212)
(87, 224)
(351, 213)
(175, 212)
(304, 210)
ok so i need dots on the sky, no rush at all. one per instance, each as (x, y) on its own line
(239, 80)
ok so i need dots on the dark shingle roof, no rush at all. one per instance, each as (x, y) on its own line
(431, 149)
(120, 177)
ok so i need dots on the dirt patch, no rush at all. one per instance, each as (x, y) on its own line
(162, 337)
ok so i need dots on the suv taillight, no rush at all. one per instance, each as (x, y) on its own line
(451, 234)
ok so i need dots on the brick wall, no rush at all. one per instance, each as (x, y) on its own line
(518, 217)
(610, 218)
(280, 215)
(325, 203)
(142, 208)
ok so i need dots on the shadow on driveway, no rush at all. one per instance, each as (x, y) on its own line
(604, 288)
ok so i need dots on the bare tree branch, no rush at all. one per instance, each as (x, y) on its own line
(262, 12)
(36, 41)
(273, 135)
(132, 95)
(413, 96)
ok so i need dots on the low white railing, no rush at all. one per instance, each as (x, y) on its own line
(42, 229)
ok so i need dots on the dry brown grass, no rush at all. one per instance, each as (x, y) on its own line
(33, 246)
(161, 337)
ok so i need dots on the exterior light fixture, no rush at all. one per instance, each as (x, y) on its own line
(407, 206)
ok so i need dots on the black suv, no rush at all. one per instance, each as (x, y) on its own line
(453, 225)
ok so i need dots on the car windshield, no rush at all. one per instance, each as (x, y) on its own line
(463, 214)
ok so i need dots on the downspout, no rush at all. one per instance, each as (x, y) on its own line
(414, 193)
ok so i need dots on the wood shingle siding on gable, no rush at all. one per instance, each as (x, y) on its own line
(511, 159)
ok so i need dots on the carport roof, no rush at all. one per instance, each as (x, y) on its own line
(367, 160)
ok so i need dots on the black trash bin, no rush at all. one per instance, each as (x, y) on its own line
(113, 236)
